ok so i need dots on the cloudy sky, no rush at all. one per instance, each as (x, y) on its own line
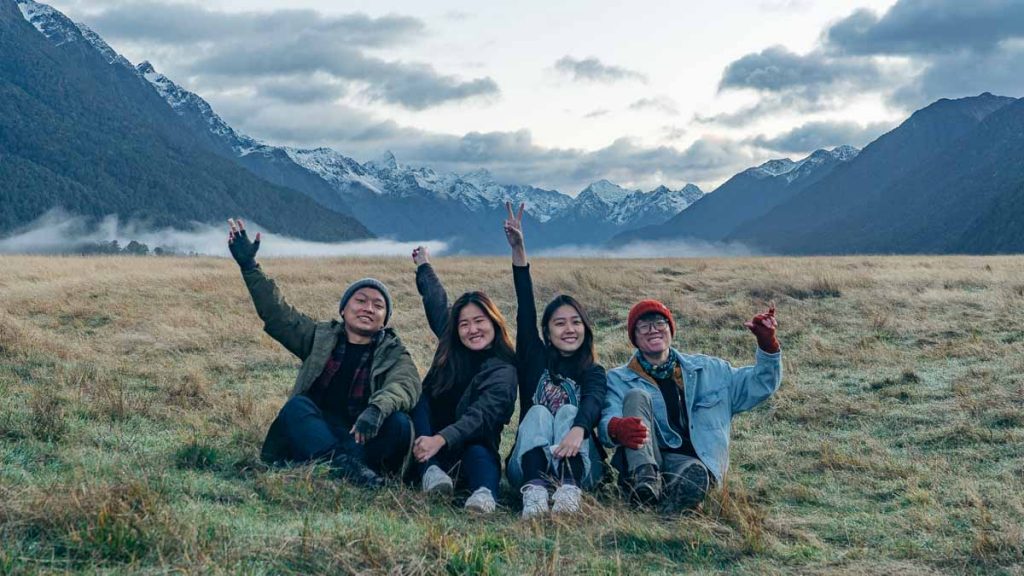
(559, 94)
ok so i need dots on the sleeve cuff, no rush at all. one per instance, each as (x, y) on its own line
(768, 355)
(451, 438)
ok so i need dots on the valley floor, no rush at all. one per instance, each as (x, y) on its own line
(135, 392)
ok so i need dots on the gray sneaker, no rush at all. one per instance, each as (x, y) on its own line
(435, 481)
(566, 500)
(481, 501)
(535, 501)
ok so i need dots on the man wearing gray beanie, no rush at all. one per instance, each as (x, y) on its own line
(349, 405)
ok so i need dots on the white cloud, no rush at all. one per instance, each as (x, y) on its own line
(58, 232)
(659, 249)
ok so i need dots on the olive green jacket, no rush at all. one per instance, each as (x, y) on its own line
(394, 380)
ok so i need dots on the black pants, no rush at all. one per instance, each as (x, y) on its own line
(305, 433)
(473, 466)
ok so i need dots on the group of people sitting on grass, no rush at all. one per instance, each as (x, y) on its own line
(359, 405)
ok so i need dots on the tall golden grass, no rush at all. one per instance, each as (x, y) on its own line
(135, 392)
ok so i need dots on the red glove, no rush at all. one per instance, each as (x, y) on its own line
(630, 432)
(763, 326)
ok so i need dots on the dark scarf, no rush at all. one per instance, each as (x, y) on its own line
(657, 372)
(359, 387)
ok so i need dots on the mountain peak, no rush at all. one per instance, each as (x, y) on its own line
(606, 191)
(385, 161)
(145, 67)
(845, 153)
(480, 176)
(776, 167)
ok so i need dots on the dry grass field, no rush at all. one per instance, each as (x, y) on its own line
(135, 392)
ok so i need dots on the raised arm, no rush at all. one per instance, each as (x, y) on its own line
(514, 234)
(526, 308)
(435, 299)
(751, 385)
(293, 329)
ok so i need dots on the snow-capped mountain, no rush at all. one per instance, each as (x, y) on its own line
(801, 168)
(336, 169)
(60, 29)
(657, 205)
(743, 198)
(393, 199)
(188, 104)
(115, 147)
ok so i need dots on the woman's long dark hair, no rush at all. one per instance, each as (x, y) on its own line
(585, 356)
(451, 364)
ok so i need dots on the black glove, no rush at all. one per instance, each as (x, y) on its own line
(368, 423)
(243, 250)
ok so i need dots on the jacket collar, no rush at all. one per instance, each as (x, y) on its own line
(687, 363)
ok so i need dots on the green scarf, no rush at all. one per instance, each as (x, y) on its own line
(658, 372)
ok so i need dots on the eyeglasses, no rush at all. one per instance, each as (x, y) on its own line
(653, 325)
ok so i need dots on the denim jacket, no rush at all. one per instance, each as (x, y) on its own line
(714, 392)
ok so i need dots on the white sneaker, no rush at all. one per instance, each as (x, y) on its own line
(566, 500)
(481, 501)
(435, 481)
(535, 501)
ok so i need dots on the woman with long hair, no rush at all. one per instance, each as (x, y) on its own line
(469, 392)
(561, 393)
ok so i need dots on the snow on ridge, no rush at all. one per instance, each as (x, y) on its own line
(794, 170)
(182, 100)
(108, 53)
(335, 168)
(477, 189)
(845, 153)
(49, 22)
(59, 29)
(776, 167)
(608, 192)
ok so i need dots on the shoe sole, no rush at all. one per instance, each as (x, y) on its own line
(442, 490)
(687, 492)
(645, 496)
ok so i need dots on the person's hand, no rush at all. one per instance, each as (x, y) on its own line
(764, 326)
(426, 447)
(242, 249)
(514, 225)
(367, 425)
(630, 432)
(420, 256)
(570, 444)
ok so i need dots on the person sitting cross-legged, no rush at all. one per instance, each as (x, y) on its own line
(669, 414)
(357, 382)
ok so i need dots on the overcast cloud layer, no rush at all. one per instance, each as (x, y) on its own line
(913, 54)
(306, 78)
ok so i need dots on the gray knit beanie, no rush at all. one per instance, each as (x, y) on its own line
(368, 283)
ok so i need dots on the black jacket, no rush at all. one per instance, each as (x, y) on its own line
(489, 399)
(532, 359)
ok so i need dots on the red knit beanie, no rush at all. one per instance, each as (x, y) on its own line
(646, 307)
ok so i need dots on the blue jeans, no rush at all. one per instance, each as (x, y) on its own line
(309, 434)
(539, 429)
(472, 466)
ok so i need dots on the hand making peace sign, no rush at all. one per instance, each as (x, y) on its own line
(514, 225)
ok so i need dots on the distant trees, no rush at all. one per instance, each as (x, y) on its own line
(133, 248)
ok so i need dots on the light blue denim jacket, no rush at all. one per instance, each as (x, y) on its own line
(714, 392)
